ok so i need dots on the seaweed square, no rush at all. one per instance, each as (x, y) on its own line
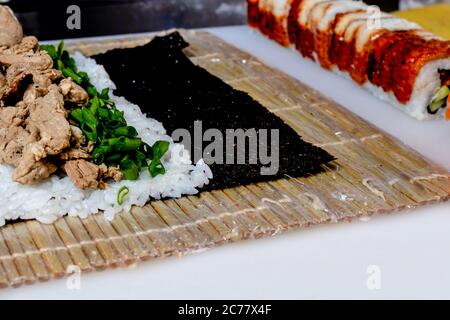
(167, 86)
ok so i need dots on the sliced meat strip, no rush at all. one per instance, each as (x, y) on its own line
(49, 116)
(30, 171)
(32, 60)
(74, 154)
(87, 175)
(84, 174)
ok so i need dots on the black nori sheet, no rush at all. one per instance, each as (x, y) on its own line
(170, 88)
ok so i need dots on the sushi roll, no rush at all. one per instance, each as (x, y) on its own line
(324, 16)
(396, 60)
(271, 17)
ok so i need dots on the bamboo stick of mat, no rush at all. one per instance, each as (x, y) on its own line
(373, 174)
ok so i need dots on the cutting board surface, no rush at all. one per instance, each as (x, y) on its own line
(374, 173)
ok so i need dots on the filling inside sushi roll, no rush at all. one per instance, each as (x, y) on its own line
(442, 98)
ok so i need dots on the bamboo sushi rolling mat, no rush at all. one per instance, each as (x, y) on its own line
(373, 174)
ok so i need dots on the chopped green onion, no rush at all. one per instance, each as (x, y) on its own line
(160, 148)
(104, 94)
(141, 159)
(113, 124)
(439, 100)
(443, 92)
(77, 115)
(71, 74)
(123, 192)
(60, 48)
(113, 159)
(129, 169)
(435, 106)
(60, 65)
(156, 168)
(125, 131)
(91, 91)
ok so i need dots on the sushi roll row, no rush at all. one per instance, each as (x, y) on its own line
(396, 60)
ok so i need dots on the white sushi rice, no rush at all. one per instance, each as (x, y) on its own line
(58, 196)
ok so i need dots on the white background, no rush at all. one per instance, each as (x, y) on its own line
(411, 249)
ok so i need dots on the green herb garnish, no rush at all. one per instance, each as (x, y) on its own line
(121, 194)
(115, 143)
(158, 149)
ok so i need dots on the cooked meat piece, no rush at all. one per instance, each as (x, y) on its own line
(26, 52)
(3, 86)
(13, 137)
(21, 75)
(24, 61)
(30, 171)
(33, 92)
(90, 147)
(72, 92)
(28, 44)
(110, 173)
(48, 115)
(13, 116)
(74, 154)
(84, 174)
(115, 174)
(46, 77)
(22, 113)
(25, 67)
(14, 88)
(11, 30)
(12, 142)
(34, 60)
(34, 129)
(3, 82)
(78, 139)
